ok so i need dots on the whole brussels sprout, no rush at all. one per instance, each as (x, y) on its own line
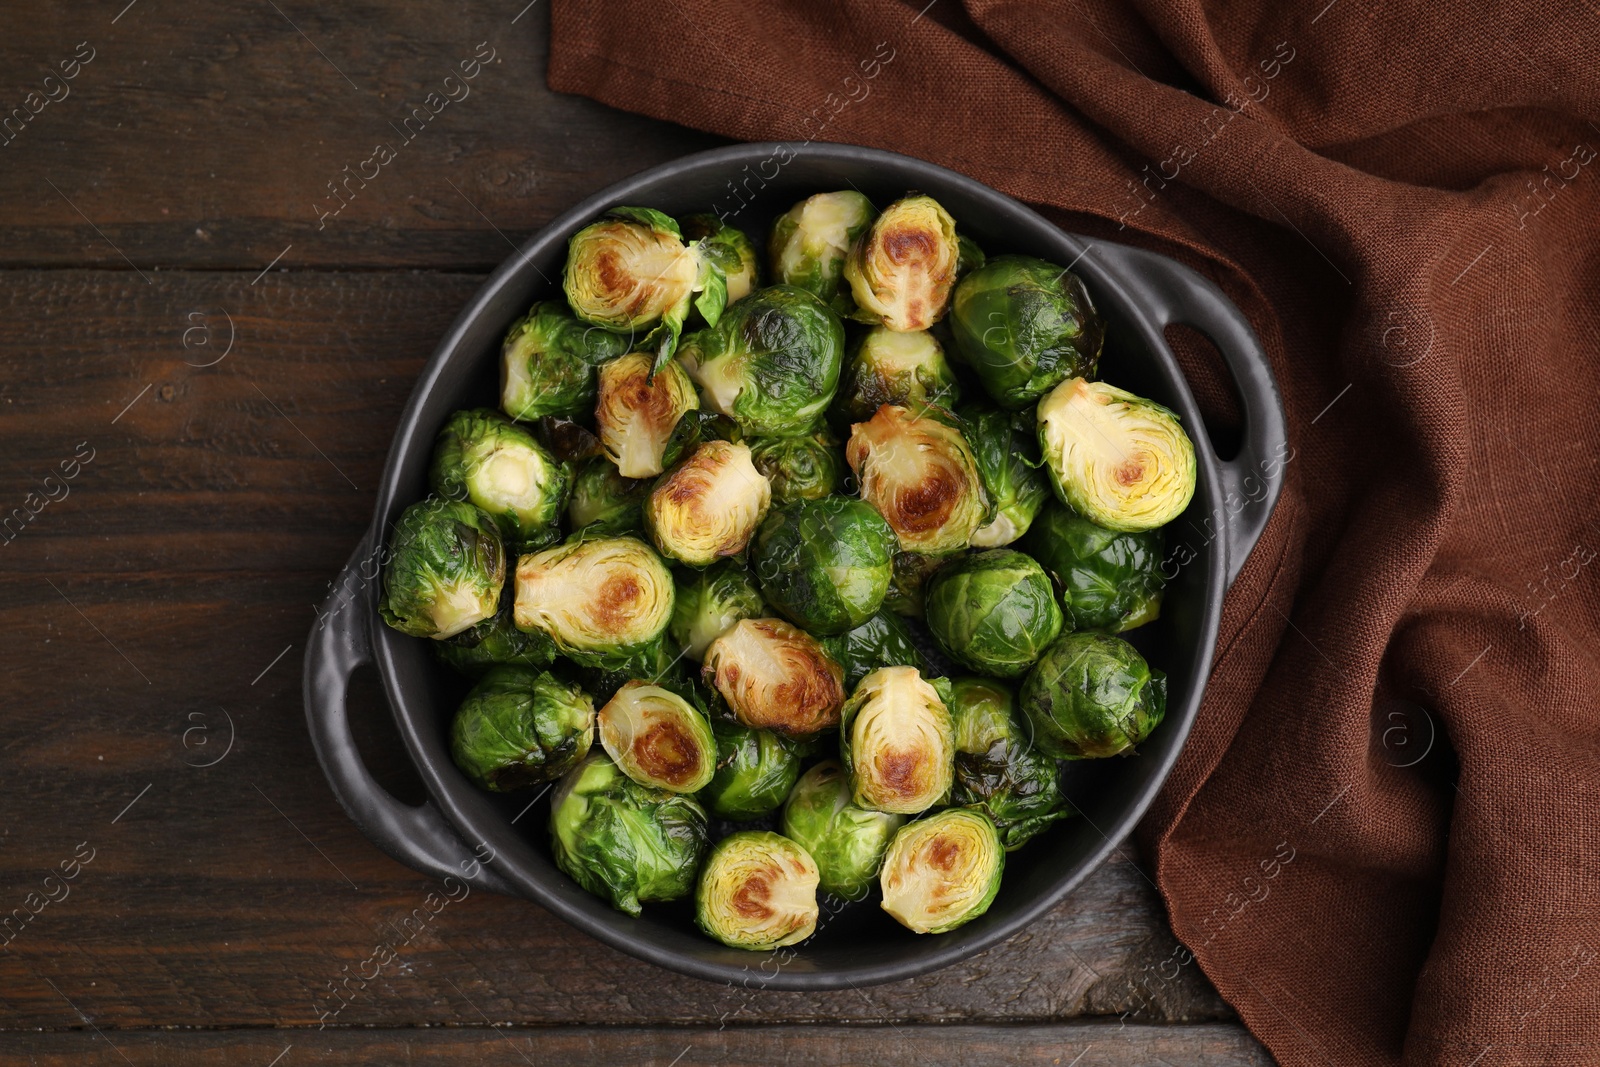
(445, 571)
(548, 361)
(993, 611)
(902, 269)
(1108, 580)
(890, 367)
(919, 472)
(911, 573)
(824, 563)
(1024, 325)
(1118, 459)
(882, 641)
(1007, 450)
(755, 771)
(644, 420)
(896, 741)
(495, 640)
(775, 677)
(622, 841)
(707, 507)
(810, 241)
(709, 601)
(729, 250)
(657, 738)
(758, 891)
(483, 457)
(942, 871)
(520, 727)
(847, 842)
(998, 771)
(772, 363)
(603, 501)
(808, 467)
(1092, 695)
(602, 601)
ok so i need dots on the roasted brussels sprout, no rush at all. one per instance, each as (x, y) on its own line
(548, 361)
(758, 891)
(889, 367)
(808, 467)
(824, 563)
(1118, 459)
(603, 501)
(495, 640)
(998, 771)
(602, 601)
(896, 741)
(919, 472)
(846, 841)
(1006, 447)
(1024, 325)
(911, 573)
(644, 421)
(882, 641)
(993, 612)
(772, 363)
(520, 727)
(624, 841)
(942, 871)
(811, 240)
(729, 250)
(711, 600)
(708, 506)
(568, 440)
(775, 677)
(1108, 580)
(445, 571)
(902, 269)
(658, 663)
(658, 738)
(1092, 695)
(483, 457)
(755, 771)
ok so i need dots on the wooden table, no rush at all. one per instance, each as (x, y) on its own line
(215, 306)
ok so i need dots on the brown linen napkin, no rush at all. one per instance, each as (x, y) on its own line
(1381, 843)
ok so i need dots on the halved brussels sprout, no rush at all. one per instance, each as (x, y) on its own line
(1092, 695)
(729, 249)
(758, 891)
(709, 601)
(445, 571)
(603, 601)
(603, 501)
(889, 367)
(902, 269)
(993, 612)
(846, 841)
(642, 419)
(755, 771)
(708, 506)
(809, 467)
(775, 677)
(942, 871)
(623, 841)
(1024, 325)
(483, 457)
(824, 563)
(1006, 447)
(896, 741)
(548, 361)
(495, 640)
(810, 241)
(520, 727)
(772, 363)
(882, 641)
(911, 573)
(998, 771)
(919, 472)
(1118, 459)
(657, 738)
(1108, 580)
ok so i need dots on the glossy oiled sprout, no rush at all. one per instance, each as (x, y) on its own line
(846, 841)
(824, 563)
(601, 601)
(483, 457)
(902, 269)
(1006, 447)
(1092, 695)
(755, 771)
(729, 250)
(776, 677)
(810, 241)
(548, 363)
(445, 571)
(520, 728)
(911, 573)
(709, 601)
(807, 467)
(942, 871)
(998, 769)
(882, 641)
(641, 418)
(919, 472)
(1108, 580)
(707, 507)
(993, 611)
(888, 367)
(1117, 459)
(758, 891)
(657, 738)
(603, 501)
(896, 741)
(494, 641)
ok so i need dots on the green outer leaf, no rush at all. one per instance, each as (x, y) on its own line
(520, 728)
(998, 771)
(548, 361)
(993, 611)
(755, 771)
(602, 500)
(882, 641)
(847, 842)
(1006, 448)
(825, 564)
(444, 554)
(730, 249)
(1108, 580)
(475, 442)
(807, 467)
(1092, 695)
